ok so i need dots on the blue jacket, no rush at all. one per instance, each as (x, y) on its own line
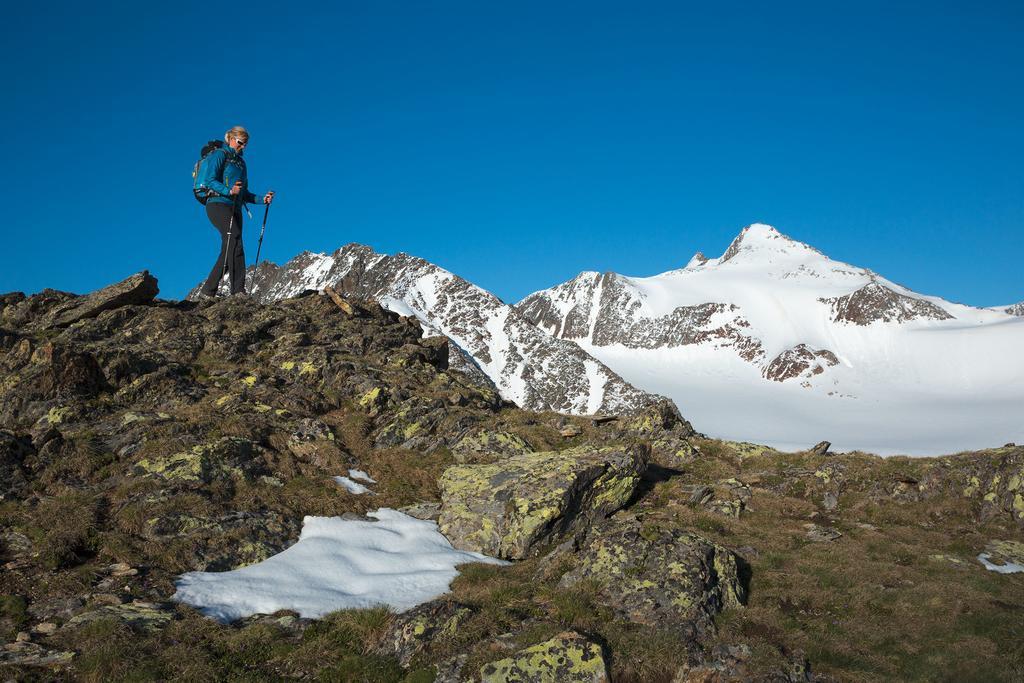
(218, 173)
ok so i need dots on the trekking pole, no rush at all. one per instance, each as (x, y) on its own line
(227, 245)
(262, 230)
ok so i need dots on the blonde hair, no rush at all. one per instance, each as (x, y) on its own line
(236, 132)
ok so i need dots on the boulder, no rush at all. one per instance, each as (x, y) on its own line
(508, 510)
(820, 448)
(138, 289)
(659, 575)
(410, 632)
(566, 658)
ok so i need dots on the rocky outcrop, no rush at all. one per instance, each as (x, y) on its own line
(658, 575)
(801, 361)
(430, 623)
(568, 657)
(136, 290)
(1016, 309)
(509, 509)
(874, 302)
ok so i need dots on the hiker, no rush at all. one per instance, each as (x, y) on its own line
(222, 177)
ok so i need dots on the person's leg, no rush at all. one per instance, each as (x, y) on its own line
(237, 258)
(220, 216)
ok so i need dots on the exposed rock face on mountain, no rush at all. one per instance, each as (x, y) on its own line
(875, 302)
(1016, 309)
(606, 311)
(527, 366)
(724, 335)
(799, 361)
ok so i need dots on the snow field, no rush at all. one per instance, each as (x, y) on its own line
(398, 561)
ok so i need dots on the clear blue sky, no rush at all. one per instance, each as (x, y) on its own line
(517, 146)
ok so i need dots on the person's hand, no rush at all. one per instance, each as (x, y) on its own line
(269, 197)
(237, 188)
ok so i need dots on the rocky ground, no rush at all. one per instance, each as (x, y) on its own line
(140, 439)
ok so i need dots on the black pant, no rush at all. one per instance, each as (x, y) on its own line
(219, 214)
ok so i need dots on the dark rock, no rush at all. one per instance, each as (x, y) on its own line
(13, 451)
(820, 448)
(55, 609)
(660, 576)
(136, 290)
(874, 302)
(426, 511)
(416, 629)
(799, 361)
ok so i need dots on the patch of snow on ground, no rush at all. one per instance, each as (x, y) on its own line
(352, 487)
(1008, 568)
(398, 561)
(361, 476)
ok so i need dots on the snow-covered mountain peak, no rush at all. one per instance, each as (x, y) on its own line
(774, 331)
(762, 244)
(698, 260)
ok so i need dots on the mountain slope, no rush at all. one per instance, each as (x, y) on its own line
(775, 342)
(528, 367)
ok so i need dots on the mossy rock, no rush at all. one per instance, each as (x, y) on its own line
(511, 508)
(412, 631)
(202, 464)
(492, 443)
(654, 574)
(745, 449)
(566, 658)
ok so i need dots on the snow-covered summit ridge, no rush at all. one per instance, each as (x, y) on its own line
(760, 243)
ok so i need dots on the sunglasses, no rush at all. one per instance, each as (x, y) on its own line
(241, 141)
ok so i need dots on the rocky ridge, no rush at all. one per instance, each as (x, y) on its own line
(149, 438)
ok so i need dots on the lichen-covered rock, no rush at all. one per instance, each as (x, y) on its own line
(745, 449)
(490, 443)
(226, 457)
(659, 575)
(140, 616)
(26, 653)
(566, 658)
(657, 418)
(412, 631)
(998, 483)
(509, 509)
